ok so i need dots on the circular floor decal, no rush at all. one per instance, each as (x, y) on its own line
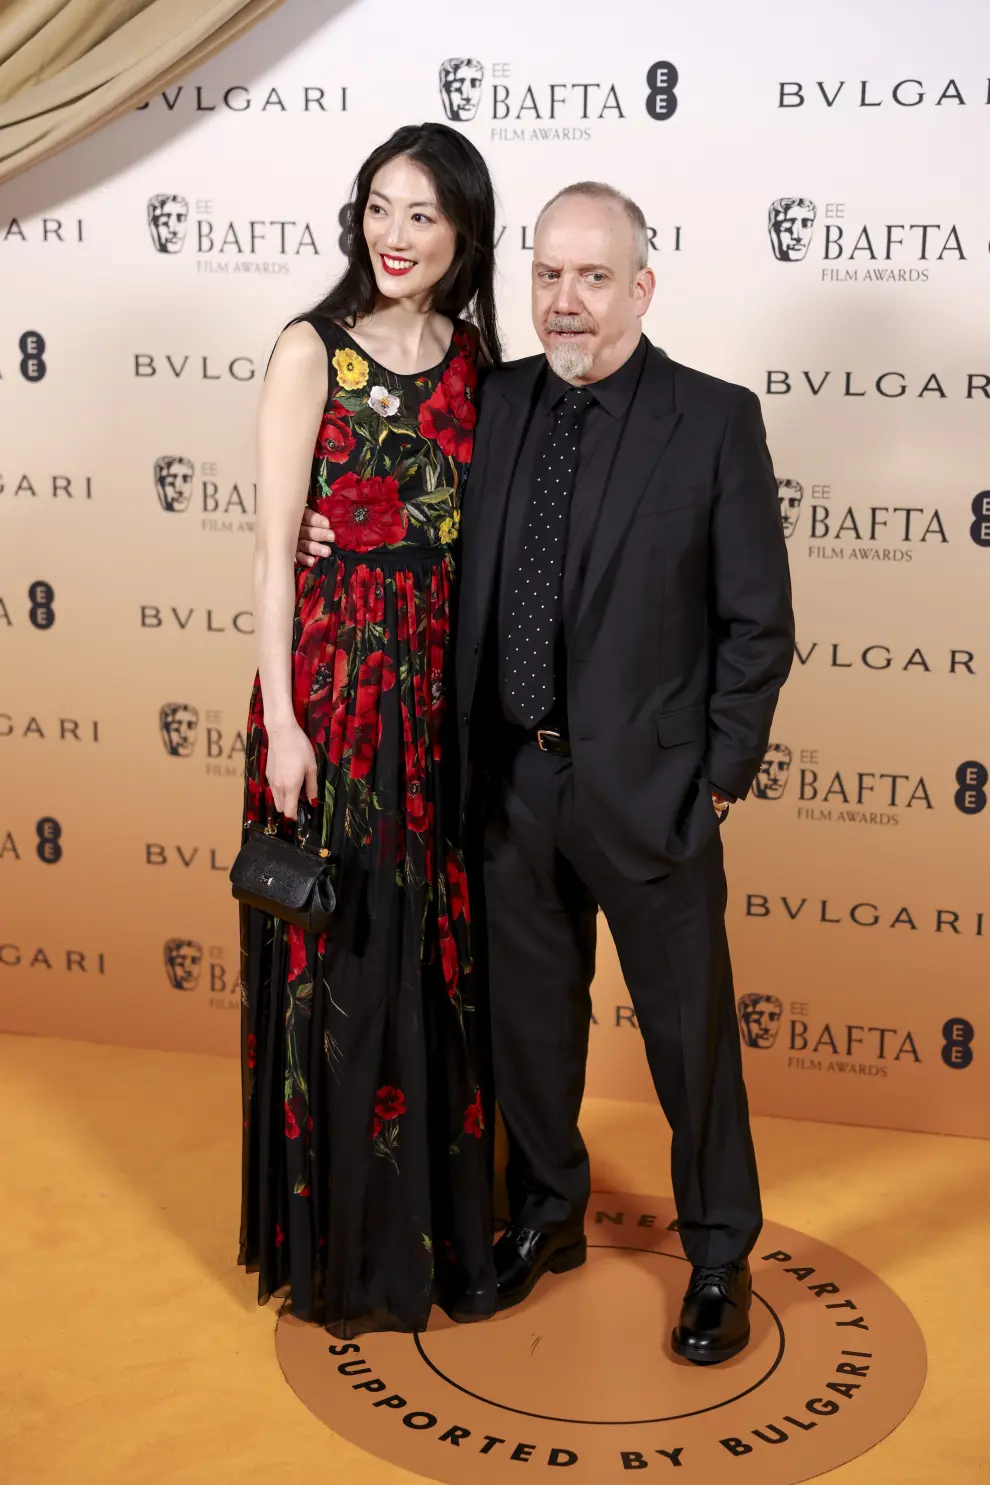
(580, 1378)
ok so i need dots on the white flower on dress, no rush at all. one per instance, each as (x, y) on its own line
(385, 404)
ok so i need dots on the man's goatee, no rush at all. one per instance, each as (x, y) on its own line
(570, 362)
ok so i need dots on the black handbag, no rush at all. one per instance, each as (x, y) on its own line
(286, 878)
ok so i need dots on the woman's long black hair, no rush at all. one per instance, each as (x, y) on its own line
(465, 197)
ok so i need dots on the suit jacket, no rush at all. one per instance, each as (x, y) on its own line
(682, 633)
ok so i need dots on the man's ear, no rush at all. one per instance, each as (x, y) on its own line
(644, 285)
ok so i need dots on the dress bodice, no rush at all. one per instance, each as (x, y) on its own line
(393, 450)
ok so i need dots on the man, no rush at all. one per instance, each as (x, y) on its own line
(624, 630)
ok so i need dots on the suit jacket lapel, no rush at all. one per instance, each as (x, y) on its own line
(505, 408)
(649, 427)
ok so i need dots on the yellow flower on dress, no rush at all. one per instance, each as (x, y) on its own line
(449, 529)
(351, 369)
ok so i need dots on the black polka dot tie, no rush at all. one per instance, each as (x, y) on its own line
(534, 592)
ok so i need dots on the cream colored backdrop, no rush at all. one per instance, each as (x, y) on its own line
(859, 910)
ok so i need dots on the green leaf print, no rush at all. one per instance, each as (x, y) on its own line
(405, 468)
(387, 1141)
(369, 425)
(352, 401)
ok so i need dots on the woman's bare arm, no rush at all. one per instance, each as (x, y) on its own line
(292, 403)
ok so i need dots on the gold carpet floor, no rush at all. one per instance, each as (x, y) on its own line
(132, 1351)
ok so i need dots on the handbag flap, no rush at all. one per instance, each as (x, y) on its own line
(277, 869)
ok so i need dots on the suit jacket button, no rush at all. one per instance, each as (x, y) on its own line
(477, 649)
(464, 719)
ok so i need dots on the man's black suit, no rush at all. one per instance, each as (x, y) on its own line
(678, 638)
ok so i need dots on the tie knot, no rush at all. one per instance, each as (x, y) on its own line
(575, 402)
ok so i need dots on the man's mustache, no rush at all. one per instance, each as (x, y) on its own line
(559, 324)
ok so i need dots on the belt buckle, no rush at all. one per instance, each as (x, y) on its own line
(541, 733)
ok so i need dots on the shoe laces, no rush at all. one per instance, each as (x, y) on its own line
(715, 1277)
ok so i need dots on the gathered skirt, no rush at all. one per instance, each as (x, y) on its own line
(366, 1153)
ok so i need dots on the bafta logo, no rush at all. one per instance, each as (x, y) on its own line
(180, 728)
(791, 224)
(174, 482)
(759, 1019)
(167, 218)
(771, 781)
(790, 494)
(460, 88)
(183, 962)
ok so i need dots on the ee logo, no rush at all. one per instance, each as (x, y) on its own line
(42, 610)
(49, 833)
(980, 529)
(971, 796)
(957, 1051)
(345, 219)
(32, 349)
(661, 100)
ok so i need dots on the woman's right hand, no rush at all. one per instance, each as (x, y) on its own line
(314, 540)
(291, 765)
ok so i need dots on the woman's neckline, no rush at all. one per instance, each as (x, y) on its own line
(371, 357)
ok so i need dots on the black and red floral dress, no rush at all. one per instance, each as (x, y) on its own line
(366, 1194)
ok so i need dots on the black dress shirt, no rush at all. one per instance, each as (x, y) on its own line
(601, 430)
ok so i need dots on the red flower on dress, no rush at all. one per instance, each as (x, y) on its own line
(415, 763)
(279, 1235)
(316, 639)
(364, 514)
(377, 1125)
(416, 814)
(391, 1102)
(291, 1122)
(252, 1049)
(449, 415)
(334, 440)
(303, 1191)
(448, 954)
(461, 375)
(363, 732)
(377, 669)
(474, 1119)
(457, 890)
(298, 960)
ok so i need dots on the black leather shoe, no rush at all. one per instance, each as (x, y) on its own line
(714, 1323)
(522, 1256)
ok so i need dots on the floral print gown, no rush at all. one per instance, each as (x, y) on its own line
(366, 1195)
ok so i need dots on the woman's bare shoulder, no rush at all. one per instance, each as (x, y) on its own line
(300, 350)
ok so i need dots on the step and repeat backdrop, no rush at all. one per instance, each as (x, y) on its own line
(819, 234)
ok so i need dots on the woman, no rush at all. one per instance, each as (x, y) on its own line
(366, 1195)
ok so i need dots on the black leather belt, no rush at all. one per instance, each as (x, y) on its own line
(550, 741)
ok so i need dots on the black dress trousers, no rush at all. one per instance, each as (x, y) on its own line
(544, 879)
